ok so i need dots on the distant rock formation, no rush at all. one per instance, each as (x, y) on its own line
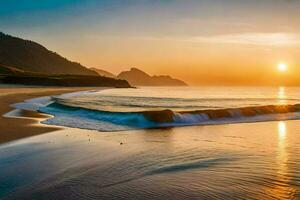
(137, 77)
(103, 72)
(30, 56)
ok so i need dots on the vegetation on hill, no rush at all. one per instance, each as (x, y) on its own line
(63, 80)
(102, 72)
(28, 63)
(30, 56)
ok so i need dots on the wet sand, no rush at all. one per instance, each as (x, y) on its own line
(16, 128)
(237, 161)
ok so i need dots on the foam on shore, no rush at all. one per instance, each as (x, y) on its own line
(36, 103)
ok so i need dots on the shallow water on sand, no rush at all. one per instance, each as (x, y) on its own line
(237, 161)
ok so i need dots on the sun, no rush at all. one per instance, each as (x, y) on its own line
(282, 67)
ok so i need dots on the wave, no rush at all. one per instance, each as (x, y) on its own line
(79, 117)
(136, 103)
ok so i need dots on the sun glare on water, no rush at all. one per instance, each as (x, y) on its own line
(282, 67)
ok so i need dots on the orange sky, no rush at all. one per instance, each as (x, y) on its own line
(201, 42)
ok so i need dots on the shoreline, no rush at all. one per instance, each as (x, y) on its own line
(249, 160)
(29, 121)
(14, 128)
(75, 163)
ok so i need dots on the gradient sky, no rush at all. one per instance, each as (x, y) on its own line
(199, 41)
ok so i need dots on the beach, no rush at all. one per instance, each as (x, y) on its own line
(149, 100)
(232, 161)
(11, 127)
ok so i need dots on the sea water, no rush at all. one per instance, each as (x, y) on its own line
(156, 107)
(232, 161)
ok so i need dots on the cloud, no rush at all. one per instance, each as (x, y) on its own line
(260, 39)
(268, 39)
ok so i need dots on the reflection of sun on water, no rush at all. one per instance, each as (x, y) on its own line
(281, 95)
(281, 187)
(281, 153)
(282, 156)
(281, 131)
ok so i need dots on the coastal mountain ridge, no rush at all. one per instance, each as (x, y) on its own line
(27, 55)
(138, 77)
(102, 72)
(29, 63)
(19, 57)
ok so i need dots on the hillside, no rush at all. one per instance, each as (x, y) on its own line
(5, 70)
(28, 63)
(63, 80)
(137, 77)
(103, 72)
(30, 56)
(10, 75)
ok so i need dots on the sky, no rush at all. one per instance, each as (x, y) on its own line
(199, 41)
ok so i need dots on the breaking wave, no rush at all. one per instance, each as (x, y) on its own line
(80, 117)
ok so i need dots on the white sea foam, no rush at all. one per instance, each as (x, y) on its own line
(35, 103)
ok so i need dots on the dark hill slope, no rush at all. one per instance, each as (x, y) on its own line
(102, 72)
(31, 56)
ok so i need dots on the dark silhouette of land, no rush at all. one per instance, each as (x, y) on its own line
(137, 77)
(32, 57)
(102, 72)
(29, 63)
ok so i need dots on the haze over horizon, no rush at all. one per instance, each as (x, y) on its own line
(206, 41)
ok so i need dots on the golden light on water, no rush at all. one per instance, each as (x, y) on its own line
(281, 130)
(282, 155)
(281, 188)
(281, 95)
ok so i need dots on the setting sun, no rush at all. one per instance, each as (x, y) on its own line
(282, 67)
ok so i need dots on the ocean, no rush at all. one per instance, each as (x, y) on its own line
(226, 160)
(157, 107)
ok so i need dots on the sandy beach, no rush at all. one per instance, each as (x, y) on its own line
(16, 128)
(232, 161)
